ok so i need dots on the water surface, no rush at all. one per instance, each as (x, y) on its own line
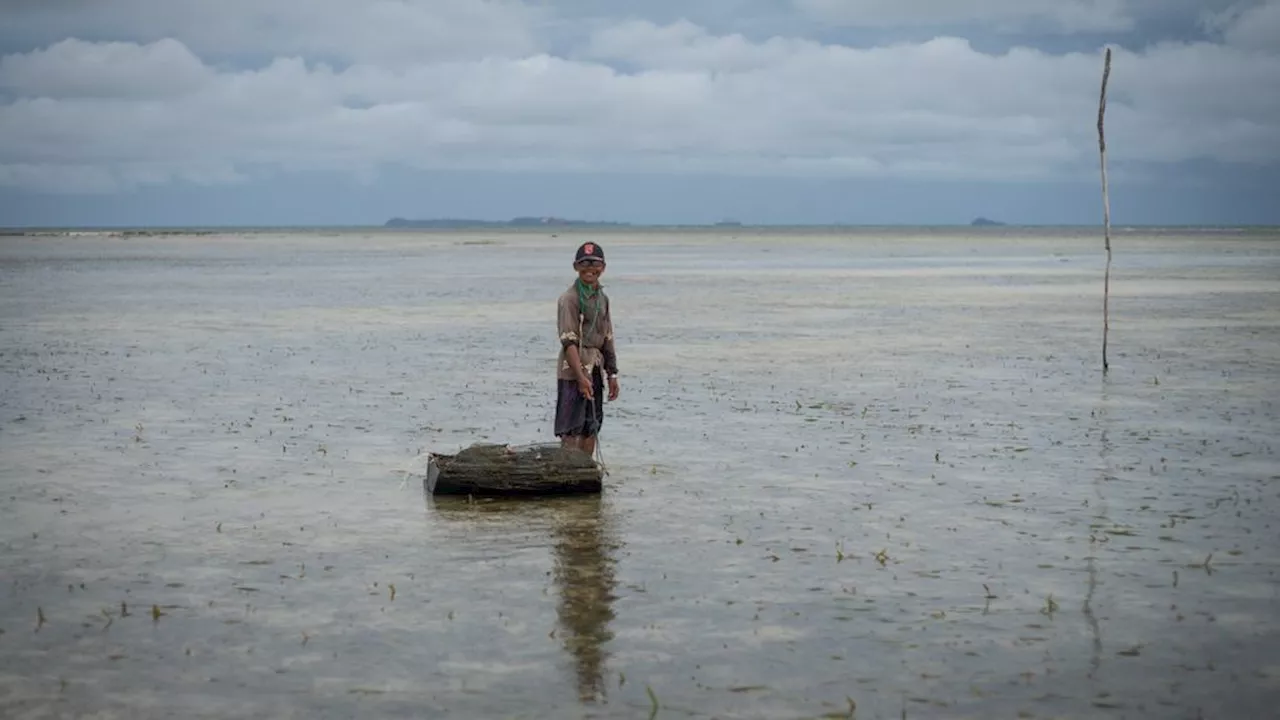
(876, 467)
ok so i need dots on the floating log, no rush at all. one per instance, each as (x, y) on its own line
(505, 471)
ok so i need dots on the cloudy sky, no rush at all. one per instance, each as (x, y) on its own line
(251, 112)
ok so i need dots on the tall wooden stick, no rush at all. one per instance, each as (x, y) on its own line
(1106, 205)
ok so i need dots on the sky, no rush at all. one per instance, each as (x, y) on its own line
(345, 112)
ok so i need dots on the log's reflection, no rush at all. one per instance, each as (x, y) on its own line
(583, 561)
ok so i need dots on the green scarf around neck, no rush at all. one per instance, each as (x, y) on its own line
(586, 293)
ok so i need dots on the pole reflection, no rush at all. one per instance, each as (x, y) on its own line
(1103, 475)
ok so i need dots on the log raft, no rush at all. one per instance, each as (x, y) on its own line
(488, 470)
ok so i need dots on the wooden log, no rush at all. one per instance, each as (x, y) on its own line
(486, 470)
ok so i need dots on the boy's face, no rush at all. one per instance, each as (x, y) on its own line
(589, 270)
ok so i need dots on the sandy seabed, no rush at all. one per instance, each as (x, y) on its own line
(871, 469)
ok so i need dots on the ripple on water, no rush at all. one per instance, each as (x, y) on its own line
(892, 474)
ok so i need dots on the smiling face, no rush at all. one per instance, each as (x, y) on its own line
(589, 270)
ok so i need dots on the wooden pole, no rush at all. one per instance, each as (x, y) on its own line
(1106, 205)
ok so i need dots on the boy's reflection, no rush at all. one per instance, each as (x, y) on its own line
(583, 571)
(584, 575)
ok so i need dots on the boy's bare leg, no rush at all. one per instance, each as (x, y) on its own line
(586, 443)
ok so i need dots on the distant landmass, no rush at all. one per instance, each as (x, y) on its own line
(555, 222)
(522, 222)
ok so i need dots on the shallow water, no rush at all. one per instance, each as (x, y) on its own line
(881, 468)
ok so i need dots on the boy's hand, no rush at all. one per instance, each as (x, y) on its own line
(584, 387)
(613, 389)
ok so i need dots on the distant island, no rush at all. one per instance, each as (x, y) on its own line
(556, 222)
(521, 222)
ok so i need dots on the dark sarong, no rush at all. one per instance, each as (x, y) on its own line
(577, 416)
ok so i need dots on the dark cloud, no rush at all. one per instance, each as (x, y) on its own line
(138, 93)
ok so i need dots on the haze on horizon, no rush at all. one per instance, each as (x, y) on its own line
(863, 112)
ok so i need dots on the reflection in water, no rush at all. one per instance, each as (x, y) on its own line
(583, 547)
(584, 575)
(1101, 511)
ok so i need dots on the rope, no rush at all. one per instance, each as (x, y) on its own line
(407, 472)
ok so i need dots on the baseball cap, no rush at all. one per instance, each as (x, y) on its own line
(589, 250)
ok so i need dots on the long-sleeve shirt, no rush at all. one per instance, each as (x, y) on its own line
(591, 331)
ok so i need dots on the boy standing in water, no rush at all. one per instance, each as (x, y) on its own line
(587, 354)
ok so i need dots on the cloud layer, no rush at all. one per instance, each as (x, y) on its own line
(470, 84)
(1066, 16)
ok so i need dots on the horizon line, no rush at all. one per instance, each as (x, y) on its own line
(616, 226)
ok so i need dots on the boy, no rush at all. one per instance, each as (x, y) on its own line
(586, 353)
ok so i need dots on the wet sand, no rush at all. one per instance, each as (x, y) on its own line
(878, 467)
